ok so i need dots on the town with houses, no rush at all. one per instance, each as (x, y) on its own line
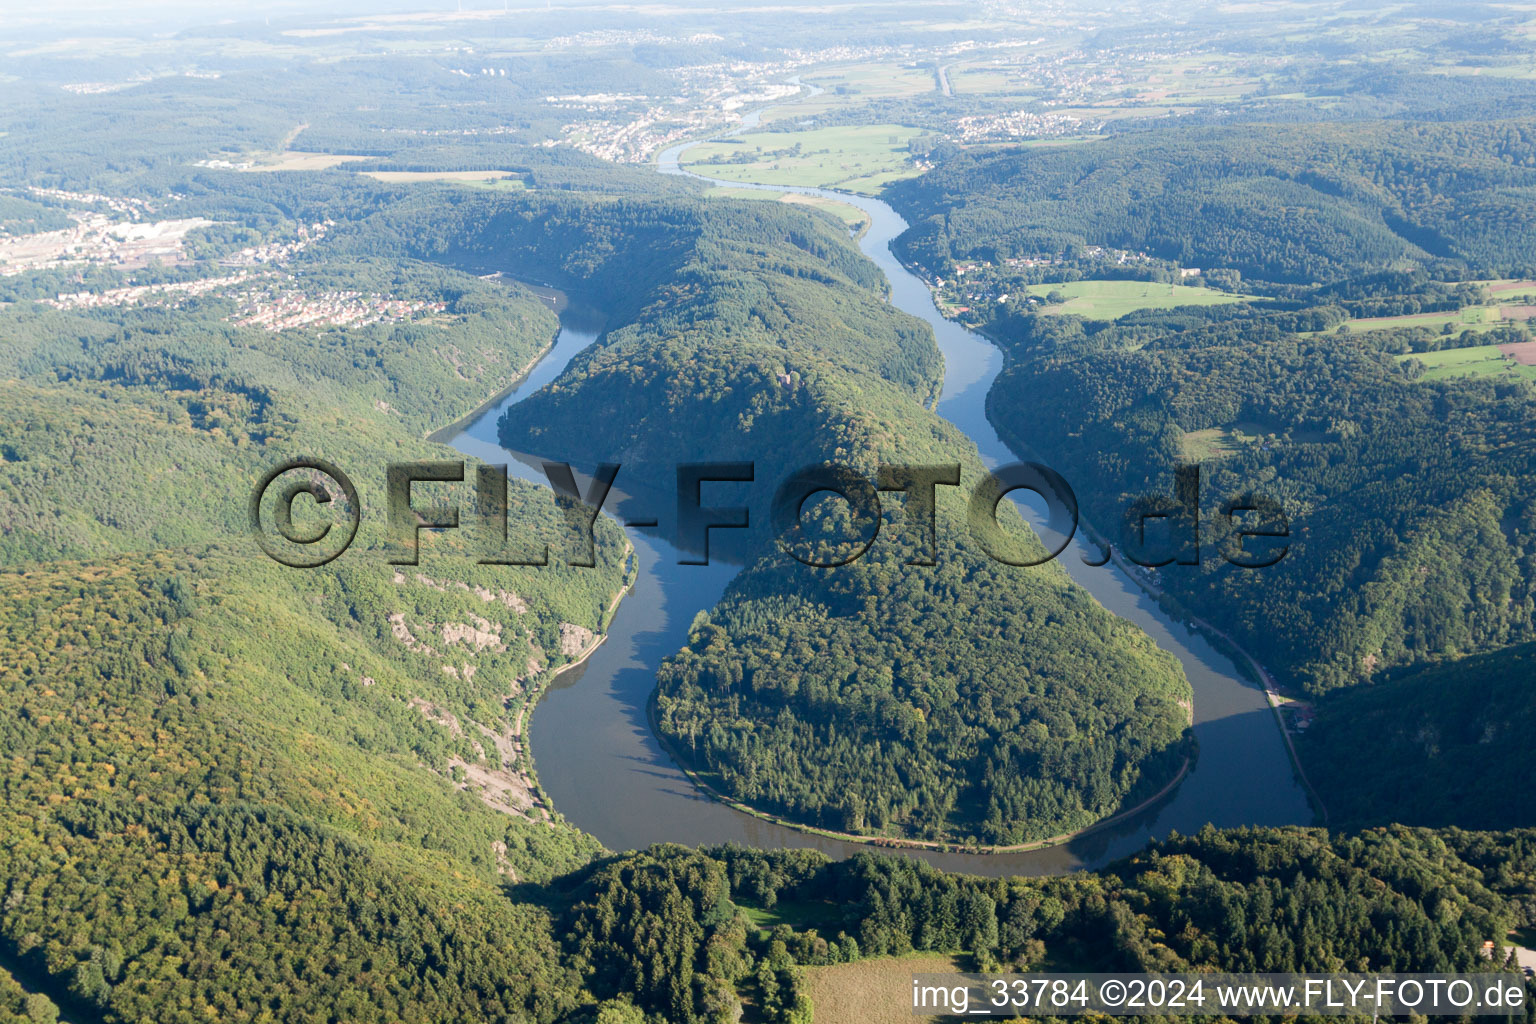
(714, 95)
(284, 307)
(982, 281)
(1020, 124)
(98, 239)
(624, 127)
(264, 297)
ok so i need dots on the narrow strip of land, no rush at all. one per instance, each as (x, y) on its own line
(894, 842)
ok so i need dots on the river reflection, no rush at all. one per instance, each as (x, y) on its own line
(606, 773)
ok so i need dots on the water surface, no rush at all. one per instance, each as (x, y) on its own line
(605, 771)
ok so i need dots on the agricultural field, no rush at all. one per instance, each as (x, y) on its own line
(1510, 301)
(1110, 300)
(1102, 91)
(858, 159)
(1472, 318)
(1519, 69)
(877, 991)
(505, 179)
(850, 215)
(1513, 293)
(995, 81)
(873, 81)
(1195, 80)
(300, 160)
(1478, 361)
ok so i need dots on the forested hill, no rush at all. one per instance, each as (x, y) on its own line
(123, 413)
(752, 267)
(1289, 203)
(1408, 499)
(1273, 900)
(1407, 490)
(986, 702)
(1447, 744)
(1384, 255)
(244, 791)
(219, 769)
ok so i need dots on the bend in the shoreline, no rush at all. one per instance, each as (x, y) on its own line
(891, 842)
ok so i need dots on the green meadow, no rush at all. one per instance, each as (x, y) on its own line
(848, 214)
(1110, 300)
(1478, 361)
(858, 159)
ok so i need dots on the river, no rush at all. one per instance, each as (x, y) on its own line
(606, 773)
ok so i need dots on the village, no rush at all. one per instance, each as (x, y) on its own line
(98, 239)
(712, 98)
(287, 308)
(1020, 124)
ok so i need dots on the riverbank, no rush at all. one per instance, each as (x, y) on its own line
(445, 435)
(608, 773)
(523, 721)
(892, 842)
(520, 724)
(1170, 606)
(1218, 637)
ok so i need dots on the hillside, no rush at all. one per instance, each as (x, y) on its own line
(1407, 499)
(984, 701)
(1446, 744)
(1290, 203)
(221, 769)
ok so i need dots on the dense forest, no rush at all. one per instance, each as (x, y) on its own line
(120, 414)
(238, 788)
(1293, 204)
(1406, 493)
(941, 702)
(1446, 744)
(661, 929)
(272, 823)
(244, 792)
(983, 703)
(351, 776)
(1407, 499)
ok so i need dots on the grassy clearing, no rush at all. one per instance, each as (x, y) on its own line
(1219, 442)
(819, 915)
(875, 991)
(1110, 300)
(856, 83)
(300, 160)
(1477, 318)
(1214, 443)
(858, 159)
(849, 215)
(510, 184)
(1478, 361)
(395, 177)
